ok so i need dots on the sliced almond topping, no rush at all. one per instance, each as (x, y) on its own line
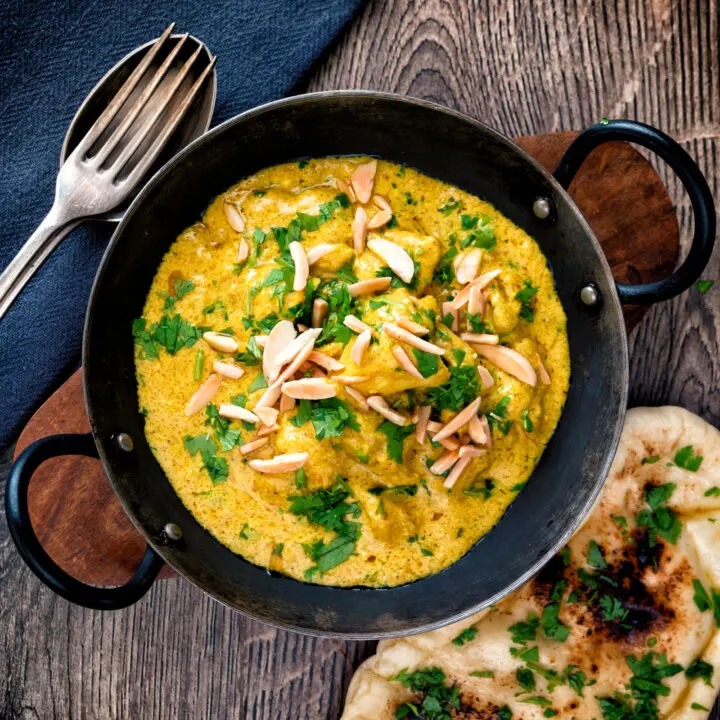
(299, 343)
(309, 389)
(365, 287)
(234, 216)
(448, 309)
(281, 336)
(351, 379)
(467, 265)
(269, 397)
(459, 420)
(319, 251)
(403, 335)
(508, 360)
(301, 327)
(363, 180)
(476, 428)
(476, 301)
(463, 297)
(395, 256)
(319, 312)
(486, 378)
(267, 415)
(379, 219)
(380, 202)
(302, 268)
(361, 344)
(423, 417)
(482, 338)
(454, 474)
(280, 463)
(204, 394)
(471, 451)
(542, 372)
(267, 430)
(434, 426)
(406, 363)
(235, 412)
(444, 462)
(378, 404)
(316, 372)
(358, 397)
(286, 403)
(325, 361)
(488, 432)
(243, 251)
(221, 343)
(411, 326)
(261, 340)
(227, 370)
(359, 230)
(343, 187)
(356, 325)
(254, 445)
(449, 443)
(415, 415)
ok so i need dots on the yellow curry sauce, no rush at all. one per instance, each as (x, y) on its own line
(364, 508)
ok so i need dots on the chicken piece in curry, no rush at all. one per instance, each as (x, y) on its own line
(348, 370)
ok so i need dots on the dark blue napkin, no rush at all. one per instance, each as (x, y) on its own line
(53, 54)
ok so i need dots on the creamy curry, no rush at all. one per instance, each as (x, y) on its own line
(349, 369)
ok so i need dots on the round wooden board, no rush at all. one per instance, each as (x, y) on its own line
(75, 513)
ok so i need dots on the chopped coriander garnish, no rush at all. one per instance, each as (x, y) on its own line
(329, 417)
(595, 556)
(450, 205)
(701, 598)
(687, 459)
(395, 438)
(427, 363)
(704, 285)
(199, 358)
(526, 296)
(526, 421)
(650, 460)
(277, 550)
(480, 488)
(217, 467)
(712, 492)
(259, 383)
(462, 388)
(300, 478)
(659, 518)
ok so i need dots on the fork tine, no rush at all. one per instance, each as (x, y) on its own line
(128, 86)
(139, 104)
(169, 94)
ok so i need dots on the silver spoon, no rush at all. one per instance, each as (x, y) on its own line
(152, 103)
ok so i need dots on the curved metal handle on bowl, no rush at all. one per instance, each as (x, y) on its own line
(21, 530)
(690, 176)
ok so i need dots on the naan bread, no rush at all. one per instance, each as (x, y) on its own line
(653, 604)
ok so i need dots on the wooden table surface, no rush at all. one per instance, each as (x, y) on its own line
(524, 68)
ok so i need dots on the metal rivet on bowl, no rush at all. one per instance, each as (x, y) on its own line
(125, 442)
(172, 532)
(542, 208)
(590, 295)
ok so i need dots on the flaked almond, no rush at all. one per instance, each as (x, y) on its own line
(423, 416)
(471, 451)
(286, 403)
(325, 361)
(269, 397)
(361, 344)
(319, 312)
(280, 463)
(482, 338)
(254, 445)
(351, 379)
(356, 325)
(281, 336)
(366, 287)
(488, 432)
(463, 297)
(234, 216)
(508, 360)
(363, 180)
(455, 473)
(444, 462)
(221, 343)
(235, 412)
(302, 268)
(381, 203)
(299, 360)
(398, 333)
(476, 301)
(476, 429)
(379, 219)
(486, 378)
(378, 404)
(358, 397)
(319, 251)
(396, 257)
(267, 430)
(359, 230)
(411, 326)
(309, 389)
(449, 443)
(267, 415)
(204, 394)
(291, 350)
(319, 373)
(261, 340)
(343, 187)
(301, 327)
(243, 251)
(406, 363)
(467, 265)
(227, 370)
(448, 309)
(459, 420)
(415, 415)
(542, 372)
(434, 426)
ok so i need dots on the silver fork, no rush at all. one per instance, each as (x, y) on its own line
(109, 161)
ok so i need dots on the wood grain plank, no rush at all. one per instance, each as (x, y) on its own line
(523, 68)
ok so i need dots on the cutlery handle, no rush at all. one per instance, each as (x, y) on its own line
(56, 225)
